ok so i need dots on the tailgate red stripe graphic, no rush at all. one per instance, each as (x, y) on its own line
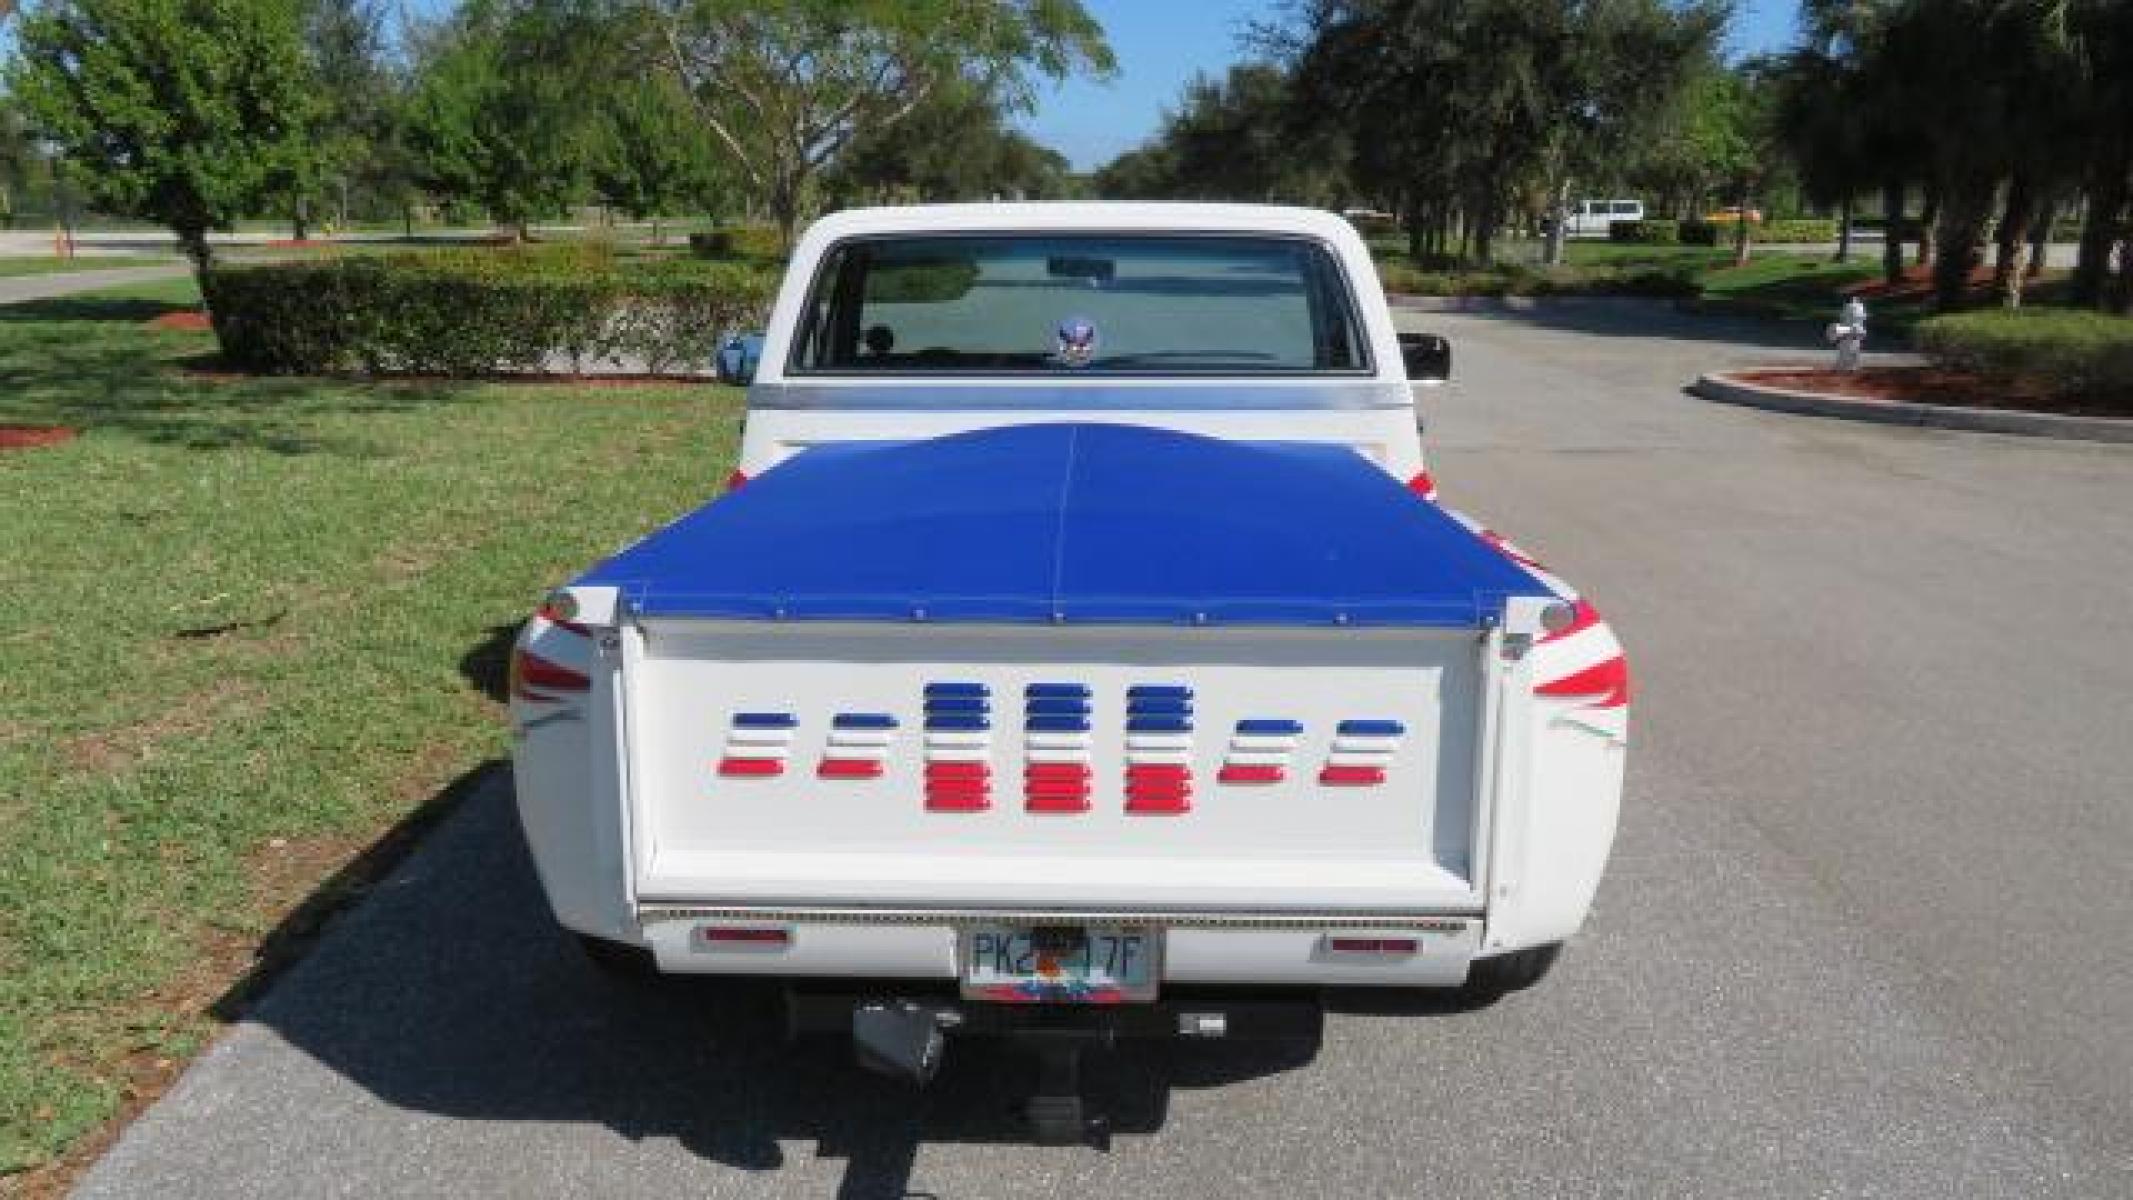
(1168, 805)
(849, 768)
(1057, 803)
(958, 801)
(1250, 773)
(1352, 776)
(958, 770)
(751, 766)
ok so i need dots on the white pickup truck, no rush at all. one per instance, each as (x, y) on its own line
(1080, 653)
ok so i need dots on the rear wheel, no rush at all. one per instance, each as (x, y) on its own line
(1492, 978)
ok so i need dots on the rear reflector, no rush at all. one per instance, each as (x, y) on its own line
(736, 479)
(1386, 947)
(1352, 776)
(749, 936)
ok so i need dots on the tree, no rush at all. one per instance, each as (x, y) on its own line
(787, 86)
(189, 113)
(1464, 111)
(360, 98)
(499, 116)
(17, 156)
(648, 161)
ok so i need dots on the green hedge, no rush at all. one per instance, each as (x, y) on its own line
(1699, 233)
(2070, 352)
(1799, 229)
(738, 241)
(1512, 279)
(469, 313)
(1645, 233)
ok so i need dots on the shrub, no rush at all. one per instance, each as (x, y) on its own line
(467, 313)
(738, 241)
(1801, 229)
(1699, 233)
(2070, 353)
(1645, 233)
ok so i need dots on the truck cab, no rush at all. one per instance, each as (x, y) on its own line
(1080, 654)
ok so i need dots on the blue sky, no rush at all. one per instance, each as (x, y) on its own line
(1162, 43)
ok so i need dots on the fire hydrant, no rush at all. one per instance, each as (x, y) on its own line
(1848, 334)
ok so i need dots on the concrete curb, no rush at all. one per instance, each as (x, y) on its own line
(1726, 389)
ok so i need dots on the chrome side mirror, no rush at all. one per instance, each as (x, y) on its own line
(1427, 357)
(737, 357)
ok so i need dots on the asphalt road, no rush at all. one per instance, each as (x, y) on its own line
(1866, 931)
(19, 289)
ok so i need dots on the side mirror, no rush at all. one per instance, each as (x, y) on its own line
(1427, 357)
(737, 357)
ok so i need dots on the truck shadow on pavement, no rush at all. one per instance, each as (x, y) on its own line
(451, 992)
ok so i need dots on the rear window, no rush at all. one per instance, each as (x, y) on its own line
(1063, 304)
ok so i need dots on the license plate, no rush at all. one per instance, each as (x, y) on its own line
(1060, 964)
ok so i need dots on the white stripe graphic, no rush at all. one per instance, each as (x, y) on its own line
(861, 737)
(1158, 741)
(759, 737)
(957, 737)
(1262, 741)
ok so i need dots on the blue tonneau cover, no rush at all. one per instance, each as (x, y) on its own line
(1076, 523)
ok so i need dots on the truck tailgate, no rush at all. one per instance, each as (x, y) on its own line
(1060, 767)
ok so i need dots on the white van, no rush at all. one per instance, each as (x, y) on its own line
(1590, 218)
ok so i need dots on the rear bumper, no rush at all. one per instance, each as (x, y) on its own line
(1228, 1014)
(1232, 948)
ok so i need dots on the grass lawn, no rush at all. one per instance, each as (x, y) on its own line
(50, 265)
(245, 627)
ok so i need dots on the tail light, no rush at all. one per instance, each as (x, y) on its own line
(735, 480)
(1423, 485)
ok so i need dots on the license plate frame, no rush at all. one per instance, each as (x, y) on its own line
(1127, 946)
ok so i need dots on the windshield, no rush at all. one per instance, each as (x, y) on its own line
(1062, 304)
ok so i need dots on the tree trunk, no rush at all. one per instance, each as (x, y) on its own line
(2100, 230)
(1928, 227)
(300, 220)
(2011, 243)
(1892, 196)
(1844, 231)
(407, 220)
(193, 241)
(2040, 233)
(1558, 231)
(1742, 237)
(1961, 239)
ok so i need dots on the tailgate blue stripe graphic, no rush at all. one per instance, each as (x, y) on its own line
(1373, 728)
(1042, 723)
(764, 720)
(957, 721)
(1150, 690)
(957, 689)
(1159, 706)
(958, 704)
(1269, 727)
(1057, 704)
(1075, 690)
(1159, 725)
(863, 721)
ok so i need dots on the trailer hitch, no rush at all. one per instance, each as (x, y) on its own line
(899, 1039)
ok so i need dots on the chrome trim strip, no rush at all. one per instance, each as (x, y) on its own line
(652, 914)
(1111, 393)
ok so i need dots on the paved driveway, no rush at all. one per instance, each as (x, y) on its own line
(1866, 931)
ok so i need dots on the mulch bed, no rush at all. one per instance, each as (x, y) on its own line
(187, 320)
(22, 437)
(1935, 385)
